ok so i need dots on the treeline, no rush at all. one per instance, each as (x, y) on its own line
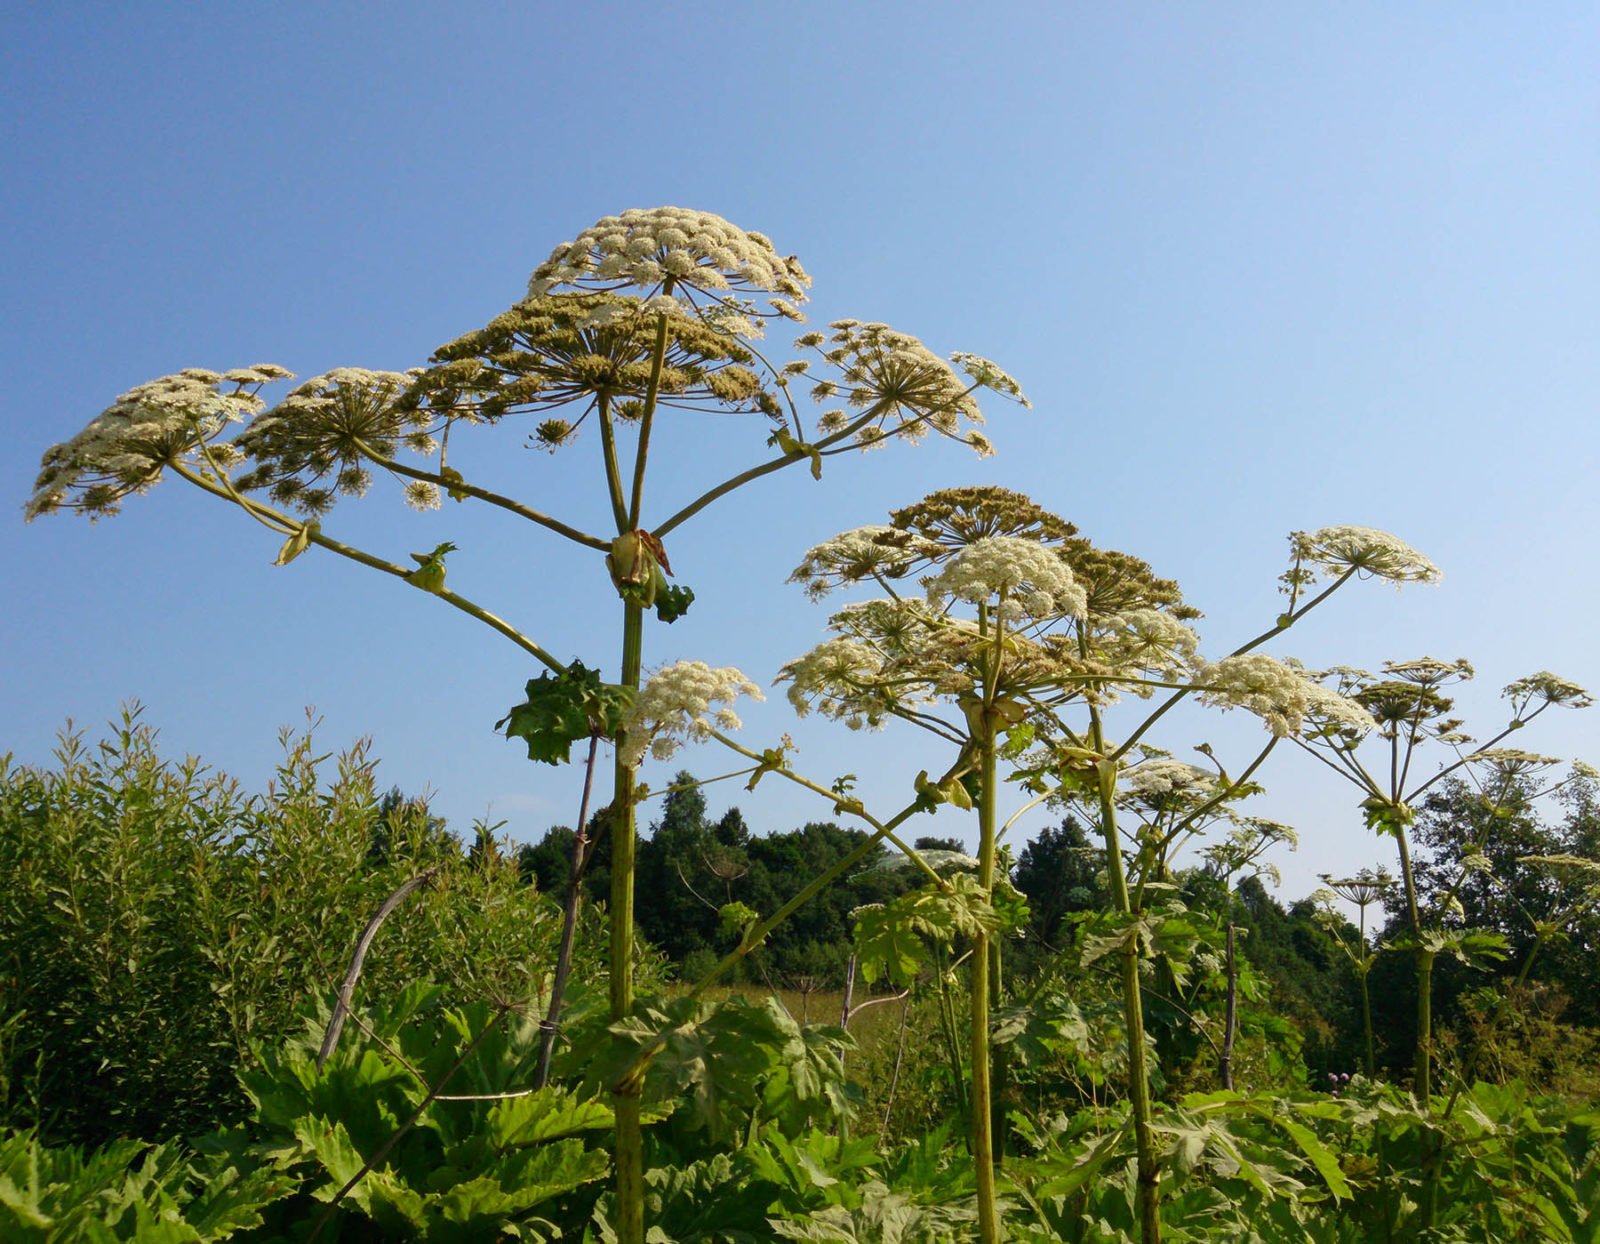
(1299, 1001)
(691, 868)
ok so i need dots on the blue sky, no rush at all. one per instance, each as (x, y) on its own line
(1260, 267)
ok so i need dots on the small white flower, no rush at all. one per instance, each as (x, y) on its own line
(421, 495)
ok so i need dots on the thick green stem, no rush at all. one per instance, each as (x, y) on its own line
(626, 1093)
(983, 1126)
(1230, 1018)
(1366, 998)
(658, 358)
(1422, 1070)
(1149, 1191)
(608, 450)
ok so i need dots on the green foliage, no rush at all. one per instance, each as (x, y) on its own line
(564, 708)
(890, 937)
(467, 1169)
(717, 1069)
(672, 602)
(128, 1190)
(157, 921)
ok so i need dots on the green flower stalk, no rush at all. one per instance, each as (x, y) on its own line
(1362, 890)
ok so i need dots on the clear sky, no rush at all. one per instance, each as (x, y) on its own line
(1260, 267)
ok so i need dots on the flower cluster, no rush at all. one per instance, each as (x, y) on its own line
(877, 552)
(572, 350)
(1160, 778)
(1366, 550)
(1546, 688)
(675, 706)
(1364, 889)
(1150, 641)
(648, 247)
(1025, 574)
(1281, 695)
(904, 387)
(1512, 762)
(894, 657)
(319, 439)
(124, 449)
(841, 679)
(987, 374)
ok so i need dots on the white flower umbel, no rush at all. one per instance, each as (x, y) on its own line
(1546, 688)
(1031, 577)
(1368, 550)
(315, 442)
(124, 449)
(840, 679)
(1150, 641)
(644, 247)
(1282, 696)
(865, 553)
(675, 706)
(910, 388)
(1162, 776)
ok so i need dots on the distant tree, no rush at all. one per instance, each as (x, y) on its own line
(1510, 895)
(404, 826)
(1059, 873)
(547, 864)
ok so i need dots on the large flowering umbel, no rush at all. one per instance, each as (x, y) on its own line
(1366, 550)
(647, 248)
(1545, 688)
(125, 448)
(1162, 781)
(898, 657)
(320, 438)
(1285, 699)
(905, 387)
(867, 553)
(676, 705)
(1149, 641)
(567, 352)
(1025, 576)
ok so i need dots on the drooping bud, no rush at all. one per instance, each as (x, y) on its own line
(638, 566)
(297, 543)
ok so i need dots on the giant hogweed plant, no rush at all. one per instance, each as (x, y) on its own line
(1409, 701)
(640, 319)
(1019, 636)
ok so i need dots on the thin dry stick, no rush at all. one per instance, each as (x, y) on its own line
(353, 974)
(899, 1057)
(569, 925)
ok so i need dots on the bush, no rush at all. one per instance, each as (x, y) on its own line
(158, 921)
